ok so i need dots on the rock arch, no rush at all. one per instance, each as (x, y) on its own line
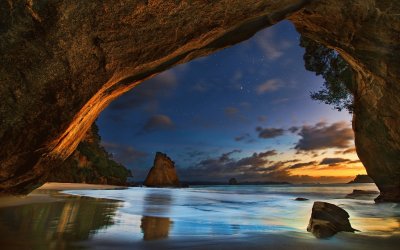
(63, 62)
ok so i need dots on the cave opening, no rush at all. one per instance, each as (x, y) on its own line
(244, 112)
(91, 91)
(113, 61)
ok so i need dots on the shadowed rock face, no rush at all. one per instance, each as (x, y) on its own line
(62, 62)
(366, 34)
(163, 173)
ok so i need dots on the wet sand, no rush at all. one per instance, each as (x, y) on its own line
(258, 241)
(49, 219)
(58, 186)
(48, 192)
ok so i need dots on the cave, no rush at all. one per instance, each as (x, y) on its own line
(61, 65)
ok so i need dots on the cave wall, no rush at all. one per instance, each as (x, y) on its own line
(62, 62)
(367, 35)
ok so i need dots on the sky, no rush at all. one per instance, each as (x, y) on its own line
(243, 112)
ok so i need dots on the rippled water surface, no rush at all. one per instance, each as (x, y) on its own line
(146, 214)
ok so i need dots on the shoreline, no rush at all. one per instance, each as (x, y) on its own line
(59, 186)
(51, 192)
(118, 238)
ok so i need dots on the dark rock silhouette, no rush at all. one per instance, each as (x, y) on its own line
(163, 173)
(301, 199)
(357, 193)
(233, 181)
(58, 71)
(328, 219)
(362, 178)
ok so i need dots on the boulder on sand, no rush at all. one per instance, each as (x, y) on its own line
(163, 173)
(328, 219)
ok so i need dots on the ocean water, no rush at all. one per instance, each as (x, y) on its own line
(136, 215)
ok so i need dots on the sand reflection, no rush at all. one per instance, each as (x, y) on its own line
(155, 228)
(56, 225)
(158, 226)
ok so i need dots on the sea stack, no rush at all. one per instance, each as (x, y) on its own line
(163, 173)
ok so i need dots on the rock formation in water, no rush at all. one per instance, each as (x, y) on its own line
(357, 193)
(62, 62)
(90, 163)
(232, 181)
(328, 219)
(163, 173)
(362, 178)
(301, 199)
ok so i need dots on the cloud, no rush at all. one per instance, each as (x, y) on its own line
(302, 165)
(200, 87)
(272, 48)
(224, 165)
(293, 129)
(148, 93)
(256, 167)
(333, 161)
(346, 151)
(268, 133)
(269, 86)
(280, 100)
(158, 122)
(125, 154)
(324, 136)
(262, 118)
(245, 105)
(256, 159)
(237, 76)
(235, 114)
(231, 111)
(244, 138)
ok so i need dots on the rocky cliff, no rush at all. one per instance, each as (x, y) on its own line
(90, 163)
(62, 62)
(362, 178)
(163, 173)
(366, 34)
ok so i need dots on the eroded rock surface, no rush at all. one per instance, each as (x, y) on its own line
(366, 34)
(163, 173)
(328, 219)
(62, 62)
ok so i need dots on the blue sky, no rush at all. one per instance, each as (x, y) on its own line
(222, 103)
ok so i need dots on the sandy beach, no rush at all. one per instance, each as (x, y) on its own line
(75, 216)
(48, 192)
(57, 186)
